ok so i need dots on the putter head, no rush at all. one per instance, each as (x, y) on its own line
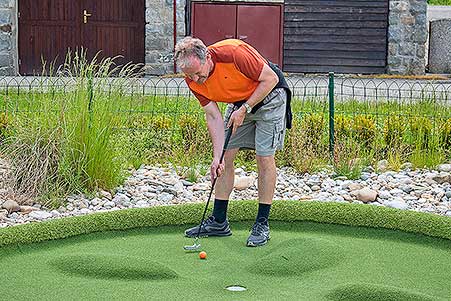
(194, 248)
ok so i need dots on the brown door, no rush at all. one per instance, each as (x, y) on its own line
(48, 28)
(114, 28)
(213, 22)
(261, 27)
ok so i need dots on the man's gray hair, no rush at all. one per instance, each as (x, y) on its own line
(187, 48)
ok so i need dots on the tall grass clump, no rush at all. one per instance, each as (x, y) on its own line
(65, 147)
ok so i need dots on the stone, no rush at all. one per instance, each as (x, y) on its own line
(165, 197)
(26, 209)
(3, 214)
(201, 186)
(444, 167)
(242, 183)
(365, 195)
(11, 206)
(382, 166)
(105, 194)
(442, 178)
(398, 203)
(406, 166)
(40, 215)
(355, 186)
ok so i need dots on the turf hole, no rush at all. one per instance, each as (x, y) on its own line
(366, 291)
(235, 288)
(113, 266)
(297, 256)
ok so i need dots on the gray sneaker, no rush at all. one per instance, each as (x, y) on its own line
(260, 233)
(210, 227)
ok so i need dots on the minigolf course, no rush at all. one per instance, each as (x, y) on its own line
(318, 251)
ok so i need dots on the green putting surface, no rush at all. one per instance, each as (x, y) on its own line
(303, 261)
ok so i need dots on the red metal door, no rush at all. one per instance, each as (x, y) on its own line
(213, 22)
(114, 28)
(261, 26)
(47, 28)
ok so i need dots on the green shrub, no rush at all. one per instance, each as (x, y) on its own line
(445, 134)
(342, 127)
(161, 122)
(364, 128)
(5, 127)
(189, 127)
(393, 131)
(312, 126)
(298, 152)
(421, 130)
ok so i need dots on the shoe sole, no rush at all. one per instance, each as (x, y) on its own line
(207, 235)
(250, 244)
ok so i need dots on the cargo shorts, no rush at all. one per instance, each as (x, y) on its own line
(263, 130)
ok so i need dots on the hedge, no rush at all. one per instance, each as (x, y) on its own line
(335, 213)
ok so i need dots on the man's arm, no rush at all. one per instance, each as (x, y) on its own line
(215, 125)
(267, 81)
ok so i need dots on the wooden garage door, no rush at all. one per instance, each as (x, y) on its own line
(48, 28)
(344, 36)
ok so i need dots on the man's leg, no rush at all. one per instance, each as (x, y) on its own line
(217, 225)
(224, 186)
(266, 178)
(266, 186)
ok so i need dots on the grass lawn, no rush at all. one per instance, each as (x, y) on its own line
(439, 2)
(303, 261)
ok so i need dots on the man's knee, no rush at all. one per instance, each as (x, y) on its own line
(265, 162)
(229, 158)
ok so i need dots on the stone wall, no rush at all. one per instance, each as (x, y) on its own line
(407, 35)
(160, 34)
(8, 45)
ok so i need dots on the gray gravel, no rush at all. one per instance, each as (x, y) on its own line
(418, 190)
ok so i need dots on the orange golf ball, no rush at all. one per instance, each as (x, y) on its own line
(203, 255)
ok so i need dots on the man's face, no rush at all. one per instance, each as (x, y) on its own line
(197, 71)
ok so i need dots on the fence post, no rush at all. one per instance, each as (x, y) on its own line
(331, 115)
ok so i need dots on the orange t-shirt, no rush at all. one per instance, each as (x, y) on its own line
(237, 67)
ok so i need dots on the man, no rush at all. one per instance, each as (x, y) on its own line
(233, 72)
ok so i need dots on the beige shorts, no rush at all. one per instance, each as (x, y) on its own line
(263, 131)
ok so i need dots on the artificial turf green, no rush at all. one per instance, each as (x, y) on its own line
(371, 292)
(112, 266)
(322, 262)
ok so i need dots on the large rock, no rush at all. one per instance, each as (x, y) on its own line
(242, 183)
(365, 195)
(11, 206)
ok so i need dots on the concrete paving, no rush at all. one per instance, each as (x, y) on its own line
(437, 12)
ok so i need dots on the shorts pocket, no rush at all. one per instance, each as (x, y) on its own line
(278, 132)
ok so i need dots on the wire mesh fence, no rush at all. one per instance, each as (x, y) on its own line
(376, 113)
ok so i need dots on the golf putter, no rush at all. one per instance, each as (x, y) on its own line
(196, 246)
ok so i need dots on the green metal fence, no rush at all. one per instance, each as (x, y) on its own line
(418, 110)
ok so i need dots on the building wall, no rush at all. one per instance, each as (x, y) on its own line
(8, 38)
(406, 46)
(407, 36)
(160, 34)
